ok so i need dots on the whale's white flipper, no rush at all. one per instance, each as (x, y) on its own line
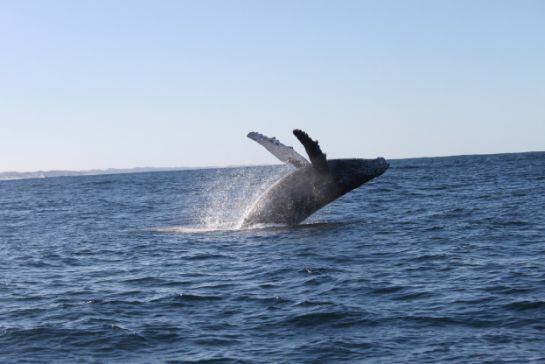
(283, 152)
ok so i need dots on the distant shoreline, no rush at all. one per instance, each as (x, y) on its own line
(13, 175)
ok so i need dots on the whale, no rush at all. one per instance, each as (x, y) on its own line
(311, 185)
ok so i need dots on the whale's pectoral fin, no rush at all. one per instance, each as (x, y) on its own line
(317, 157)
(283, 152)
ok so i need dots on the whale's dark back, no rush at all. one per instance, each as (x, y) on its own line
(298, 195)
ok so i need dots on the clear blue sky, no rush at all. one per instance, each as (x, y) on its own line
(98, 84)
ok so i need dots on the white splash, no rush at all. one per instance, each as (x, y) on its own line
(230, 194)
(188, 229)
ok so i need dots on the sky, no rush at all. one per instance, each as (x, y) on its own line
(119, 84)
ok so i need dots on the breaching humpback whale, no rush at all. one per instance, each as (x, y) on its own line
(311, 186)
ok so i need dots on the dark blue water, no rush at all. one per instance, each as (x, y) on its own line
(438, 260)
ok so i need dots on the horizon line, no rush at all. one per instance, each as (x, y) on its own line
(144, 169)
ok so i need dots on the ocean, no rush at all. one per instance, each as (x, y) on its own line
(437, 260)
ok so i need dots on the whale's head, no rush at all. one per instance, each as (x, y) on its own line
(352, 173)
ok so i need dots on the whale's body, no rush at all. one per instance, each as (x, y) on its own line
(311, 186)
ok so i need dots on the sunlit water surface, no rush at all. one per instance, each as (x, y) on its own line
(440, 259)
